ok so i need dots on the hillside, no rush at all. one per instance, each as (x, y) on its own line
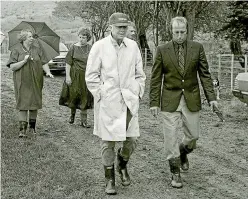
(13, 12)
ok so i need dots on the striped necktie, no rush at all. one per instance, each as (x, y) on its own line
(181, 56)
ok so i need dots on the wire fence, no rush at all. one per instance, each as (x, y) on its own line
(226, 67)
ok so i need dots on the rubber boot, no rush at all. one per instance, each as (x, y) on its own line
(72, 117)
(84, 120)
(23, 129)
(184, 150)
(110, 180)
(122, 169)
(176, 181)
(32, 124)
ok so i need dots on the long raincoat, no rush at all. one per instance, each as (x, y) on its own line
(115, 77)
(28, 80)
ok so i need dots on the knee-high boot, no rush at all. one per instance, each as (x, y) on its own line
(32, 125)
(110, 180)
(176, 180)
(122, 169)
(72, 117)
(184, 151)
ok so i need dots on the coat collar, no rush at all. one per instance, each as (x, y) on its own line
(174, 58)
(114, 42)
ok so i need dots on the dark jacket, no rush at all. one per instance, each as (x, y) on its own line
(169, 83)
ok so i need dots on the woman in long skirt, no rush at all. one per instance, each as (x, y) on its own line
(77, 95)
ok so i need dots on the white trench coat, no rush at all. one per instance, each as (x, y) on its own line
(116, 79)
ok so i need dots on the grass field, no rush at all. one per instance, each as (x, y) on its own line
(64, 161)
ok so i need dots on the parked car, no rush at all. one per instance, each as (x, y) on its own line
(241, 87)
(57, 64)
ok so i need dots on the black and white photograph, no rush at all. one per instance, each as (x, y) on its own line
(124, 99)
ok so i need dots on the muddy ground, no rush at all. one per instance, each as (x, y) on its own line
(64, 161)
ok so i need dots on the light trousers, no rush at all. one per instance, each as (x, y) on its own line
(108, 147)
(108, 150)
(172, 122)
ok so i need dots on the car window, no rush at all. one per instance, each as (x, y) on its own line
(62, 47)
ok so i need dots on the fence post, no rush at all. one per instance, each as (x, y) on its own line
(232, 64)
(145, 57)
(219, 67)
(246, 64)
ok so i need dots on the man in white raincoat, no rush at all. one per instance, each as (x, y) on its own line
(115, 77)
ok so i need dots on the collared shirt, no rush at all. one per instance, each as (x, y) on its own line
(116, 45)
(176, 48)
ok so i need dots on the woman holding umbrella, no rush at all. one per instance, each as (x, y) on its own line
(27, 63)
(74, 93)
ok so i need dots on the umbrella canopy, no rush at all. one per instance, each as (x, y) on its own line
(44, 38)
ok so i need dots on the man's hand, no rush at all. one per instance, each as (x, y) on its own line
(154, 111)
(213, 104)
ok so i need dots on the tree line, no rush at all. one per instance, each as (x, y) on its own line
(225, 19)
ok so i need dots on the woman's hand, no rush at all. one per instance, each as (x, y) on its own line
(68, 80)
(18, 65)
(26, 58)
(49, 75)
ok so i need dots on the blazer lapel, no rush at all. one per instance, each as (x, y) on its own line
(188, 57)
(173, 57)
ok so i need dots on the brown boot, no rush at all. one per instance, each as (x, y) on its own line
(176, 180)
(72, 117)
(110, 180)
(23, 129)
(184, 150)
(122, 169)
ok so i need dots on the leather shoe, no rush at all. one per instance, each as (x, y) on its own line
(176, 180)
(85, 125)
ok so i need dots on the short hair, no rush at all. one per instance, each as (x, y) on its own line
(85, 32)
(179, 20)
(132, 24)
(24, 34)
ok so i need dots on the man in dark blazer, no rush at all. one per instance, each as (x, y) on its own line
(175, 89)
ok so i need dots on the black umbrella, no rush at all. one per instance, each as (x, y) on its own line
(45, 38)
